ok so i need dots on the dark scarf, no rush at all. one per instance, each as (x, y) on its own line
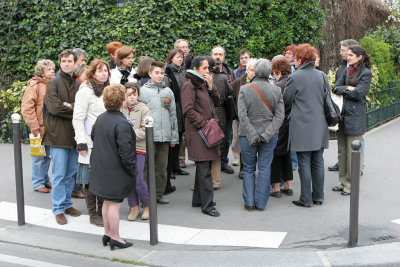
(125, 74)
(98, 88)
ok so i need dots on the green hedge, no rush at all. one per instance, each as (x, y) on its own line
(41, 29)
(381, 56)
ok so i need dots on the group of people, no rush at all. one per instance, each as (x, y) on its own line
(92, 120)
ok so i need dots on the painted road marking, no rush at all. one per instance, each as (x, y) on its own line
(141, 231)
(27, 262)
(396, 221)
(324, 259)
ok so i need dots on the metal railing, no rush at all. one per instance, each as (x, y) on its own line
(387, 105)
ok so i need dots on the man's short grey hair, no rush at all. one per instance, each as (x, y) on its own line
(79, 69)
(263, 68)
(348, 42)
(251, 62)
(277, 57)
(176, 44)
(41, 66)
(79, 52)
(217, 47)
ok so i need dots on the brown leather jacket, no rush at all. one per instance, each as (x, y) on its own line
(32, 104)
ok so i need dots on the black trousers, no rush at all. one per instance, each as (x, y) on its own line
(173, 160)
(281, 168)
(203, 187)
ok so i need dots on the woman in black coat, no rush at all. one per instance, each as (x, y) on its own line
(281, 167)
(175, 76)
(113, 162)
(354, 85)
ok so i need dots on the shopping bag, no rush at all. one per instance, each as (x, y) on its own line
(37, 149)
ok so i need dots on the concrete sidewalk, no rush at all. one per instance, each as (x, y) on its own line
(313, 237)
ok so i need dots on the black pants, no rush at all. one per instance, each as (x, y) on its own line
(173, 160)
(281, 168)
(203, 187)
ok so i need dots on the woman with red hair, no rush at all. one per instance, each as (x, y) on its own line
(308, 130)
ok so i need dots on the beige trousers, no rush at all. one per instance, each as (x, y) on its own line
(216, 172)
(344, 151)
(235, 146)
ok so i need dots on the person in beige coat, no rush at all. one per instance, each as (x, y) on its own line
(32, 112)
(88, 106)
(138, 112)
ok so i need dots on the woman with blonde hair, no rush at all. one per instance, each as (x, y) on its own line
(32, 113)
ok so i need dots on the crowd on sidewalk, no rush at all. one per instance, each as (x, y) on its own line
(92, 118)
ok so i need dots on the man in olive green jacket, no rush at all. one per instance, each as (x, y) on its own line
(59, 135)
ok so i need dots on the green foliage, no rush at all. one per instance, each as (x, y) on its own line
(41, 29)
(11, 100)
(381, 57)
(391, 35)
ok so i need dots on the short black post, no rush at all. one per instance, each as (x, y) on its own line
(151, 177)
(355, 192)
(16, 118)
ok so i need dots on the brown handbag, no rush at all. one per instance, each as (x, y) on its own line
(211, 133)
(263, 98)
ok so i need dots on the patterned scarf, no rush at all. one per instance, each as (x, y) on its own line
(125, 74)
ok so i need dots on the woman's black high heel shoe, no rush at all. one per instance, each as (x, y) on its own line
(115, 243)
(106, 239)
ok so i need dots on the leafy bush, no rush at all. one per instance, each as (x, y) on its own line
(41, 29)
(381, 56)
(11, 100)
(391, 35)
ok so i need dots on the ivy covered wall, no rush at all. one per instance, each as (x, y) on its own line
(34, 29)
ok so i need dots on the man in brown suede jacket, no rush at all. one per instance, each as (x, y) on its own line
(59, 135)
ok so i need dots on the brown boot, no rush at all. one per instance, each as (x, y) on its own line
(91, 206)
(99, 206)
(133, 214)
(145, 214)
(60, 218)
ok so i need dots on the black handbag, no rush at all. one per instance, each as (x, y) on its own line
(230, 108)
(332, 111)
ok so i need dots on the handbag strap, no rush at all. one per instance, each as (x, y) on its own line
(263, 98)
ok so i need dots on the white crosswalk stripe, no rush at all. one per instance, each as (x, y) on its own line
(140, 230)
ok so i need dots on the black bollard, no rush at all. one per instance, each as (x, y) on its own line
(16, 118)
(355, 192)
(151, 177)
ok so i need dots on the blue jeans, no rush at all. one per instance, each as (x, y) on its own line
(293, 156)
(363, 152)
(224, 158)
(311, 169)
(257, 193)
(65, 166)
(40, 169)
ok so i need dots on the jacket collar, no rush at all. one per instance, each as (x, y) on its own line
(195, 78)
(67, 76)
(308, 65)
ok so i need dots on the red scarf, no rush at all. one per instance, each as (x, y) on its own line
(351, 70)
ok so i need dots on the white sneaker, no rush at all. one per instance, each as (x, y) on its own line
(236, 162)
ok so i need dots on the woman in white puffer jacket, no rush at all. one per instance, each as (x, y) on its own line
(88, 106)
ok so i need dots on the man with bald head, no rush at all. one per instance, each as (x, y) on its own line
(222, 78)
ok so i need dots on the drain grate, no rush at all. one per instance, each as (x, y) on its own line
(384, 238)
